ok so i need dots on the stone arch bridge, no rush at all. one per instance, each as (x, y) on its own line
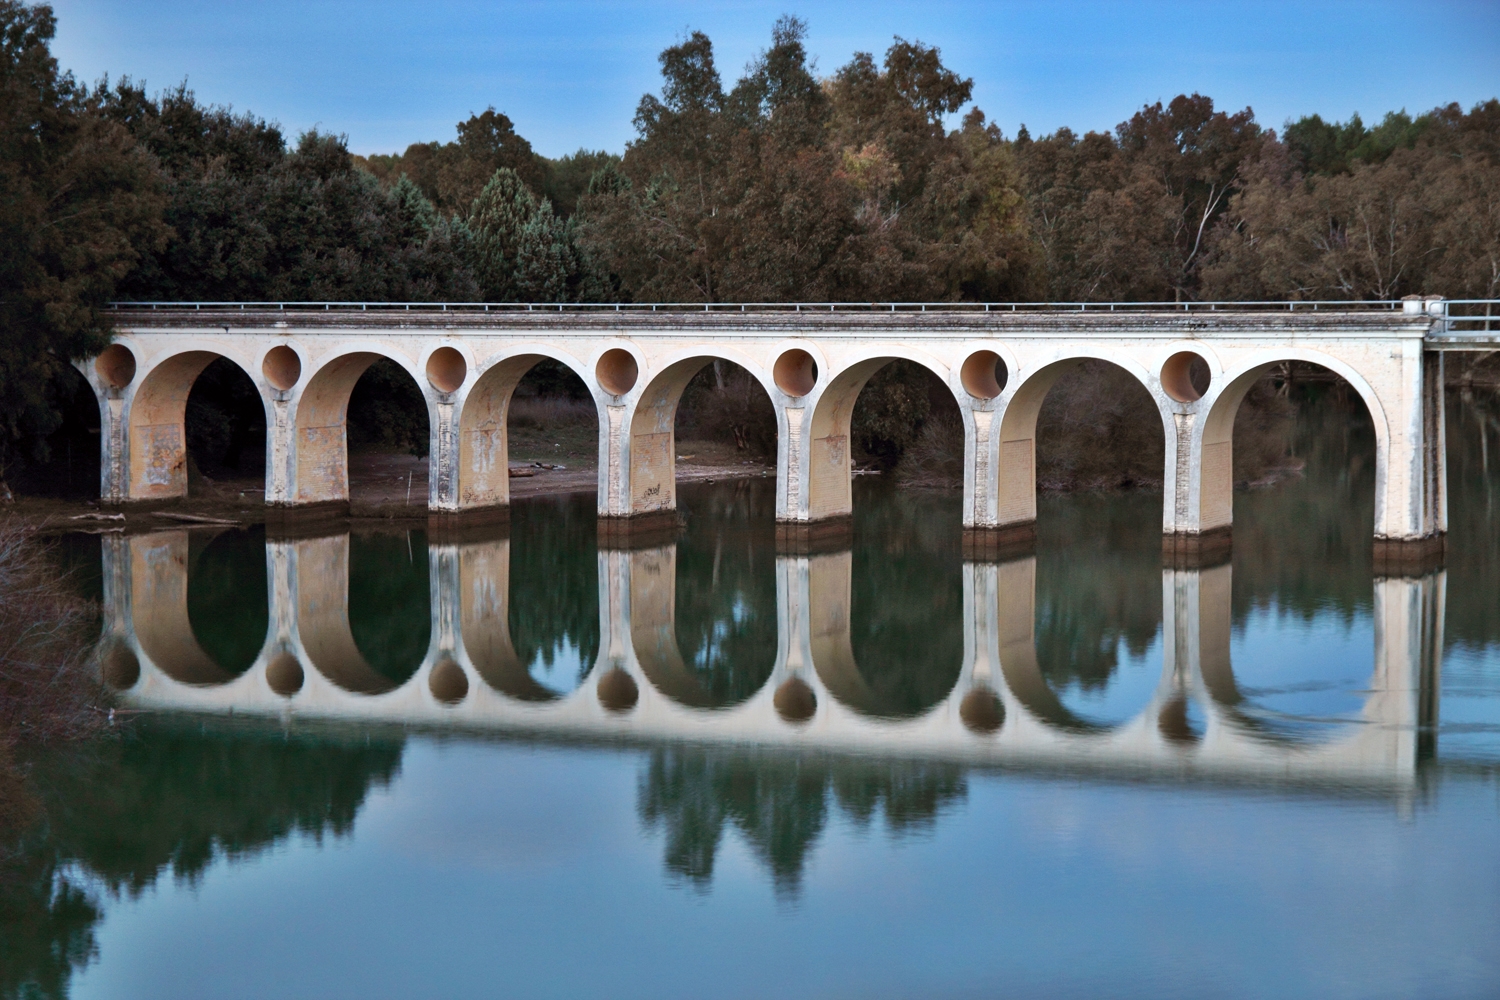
(999, 361)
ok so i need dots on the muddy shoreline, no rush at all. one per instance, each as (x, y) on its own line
(378, 494)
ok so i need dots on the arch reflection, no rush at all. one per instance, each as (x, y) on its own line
(323, 616)
(1199, 719)
(160, 613)
(484, 620)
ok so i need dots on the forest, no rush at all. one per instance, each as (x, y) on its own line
(880, 181)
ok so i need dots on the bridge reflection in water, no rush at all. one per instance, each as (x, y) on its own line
(1001, 711)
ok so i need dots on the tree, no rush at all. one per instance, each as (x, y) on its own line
(79, 201)
(1411, 220)
(521, 251)
(253, 221)
(453, 174)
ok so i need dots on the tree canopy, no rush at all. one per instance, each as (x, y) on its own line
(877, 181)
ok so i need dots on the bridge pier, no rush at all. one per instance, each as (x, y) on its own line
(1411, 500)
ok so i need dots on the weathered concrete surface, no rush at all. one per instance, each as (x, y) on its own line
(636, 365)
(815, 695)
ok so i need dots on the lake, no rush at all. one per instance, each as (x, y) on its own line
(378, 762)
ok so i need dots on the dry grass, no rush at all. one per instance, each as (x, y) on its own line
(47, 691)
(553, 428)
(936, 457)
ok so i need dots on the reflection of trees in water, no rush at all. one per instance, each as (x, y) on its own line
(1098, 583)
(1304, 547)
(226, 595)
(726, 588)
(780, 803)
(554, 579)
(175, 794)
(47, 925)
(390, 611)
(906, 623)
(1474, 511)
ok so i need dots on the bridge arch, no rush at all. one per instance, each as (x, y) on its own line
(156, 417)
(320, 430)
(483, 468)
(830, 467)
(652, 440)
(1012, 451)
(1211, 492)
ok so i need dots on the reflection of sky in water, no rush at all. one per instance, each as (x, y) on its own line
(565, 671)
(528, 866)
(1469, 704)
(1302, 675)
(1128, 692)
(1293, 674)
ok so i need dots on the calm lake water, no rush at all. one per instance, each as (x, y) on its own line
(380, 764)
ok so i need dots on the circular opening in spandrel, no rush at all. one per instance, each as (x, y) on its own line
(617, 371)
(282, 368)
(982, 711)
(794, 700)
(448, 682)
(116, 366)
(617, 691)
(446, 369)
(1186, 377)
(284, 674)
(983, 375)
(119, 667)
(795, 372)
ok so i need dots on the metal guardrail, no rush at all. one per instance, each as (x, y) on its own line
(1461, 319)
(1473, 317)
(766, 307)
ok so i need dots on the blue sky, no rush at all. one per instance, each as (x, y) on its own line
(570, 73)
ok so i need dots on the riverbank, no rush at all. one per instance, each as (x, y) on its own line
(382, 487)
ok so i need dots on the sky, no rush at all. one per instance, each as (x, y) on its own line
(570, 73)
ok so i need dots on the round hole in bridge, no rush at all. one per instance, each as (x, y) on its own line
(1185, 377)
(983, 375)
(448, 682)
(795, 372)
(794, 700)
(617, 371)
(446, 369)
(284, 674)
(282, 368)
(982, 711)
(617, 691)
(119, 667)
(116, 366)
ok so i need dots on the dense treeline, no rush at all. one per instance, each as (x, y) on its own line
(783, 186)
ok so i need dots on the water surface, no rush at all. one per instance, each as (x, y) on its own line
(383, 764)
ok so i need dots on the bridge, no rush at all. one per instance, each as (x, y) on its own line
(1000, 711)
(812, 360)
